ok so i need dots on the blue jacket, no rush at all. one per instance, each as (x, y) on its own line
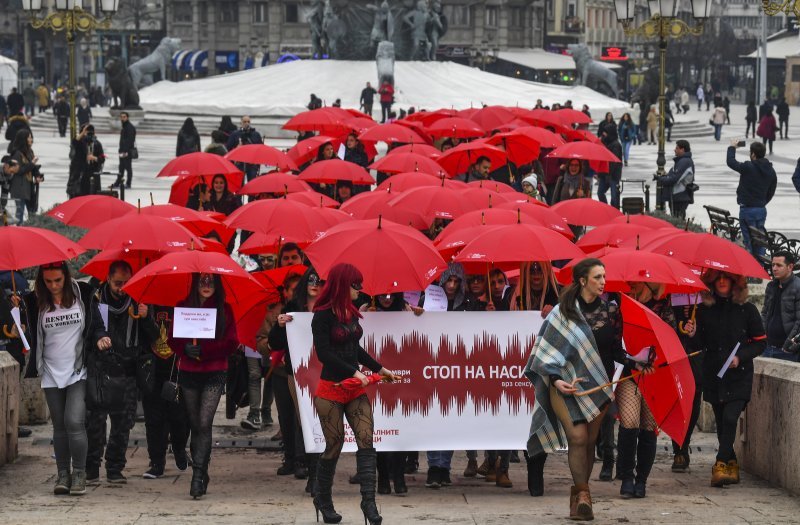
(681, 174)
(757, 180)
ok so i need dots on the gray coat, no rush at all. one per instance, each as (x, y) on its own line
(21, 184)
(790, 307)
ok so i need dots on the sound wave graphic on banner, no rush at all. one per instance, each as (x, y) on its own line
(449, 374)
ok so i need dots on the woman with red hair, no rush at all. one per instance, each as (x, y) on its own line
(337, 332)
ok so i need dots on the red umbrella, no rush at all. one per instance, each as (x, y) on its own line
(392, 257)
(543, 117)
(261, 154)
(90, 210)
(307, 150)
(198, 223)
(610, 234)
(360, 124)
(521, 149)
(25, 247)
(198, 164)
(374, 204)
(391, 133)
(168, 280)
(644, 220)
(182, 187)
(585, 212)
(545, 138)
(518, 243)
(429, 117)
(708, 251)
(492, 117)
(334, 170)
(323, 120)
(312, 198)
(492, 185)
(459, 159)
(648, 237)
(278, 216)
(275, 182)
(418, 128)
(467, 113)
(479, 198)
(458, 233)
(136, 231)
(456, 127)
(425, 150)
(669, 391)
(573, 116)
(573, 135)
(584, 151)
(434, 202)
(412, 179)
(98, 265)
(403, 162)
(543, 214)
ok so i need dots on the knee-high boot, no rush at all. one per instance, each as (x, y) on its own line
(645, 456)
(366, 466)
(311, 483)
(626, 459)
(536, 474)
(398, 471)
(323, 501)
(198, 485)
(383, 463)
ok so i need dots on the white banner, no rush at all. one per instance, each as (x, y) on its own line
(462, 388)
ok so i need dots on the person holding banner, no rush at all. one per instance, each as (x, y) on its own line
(336, 332)
(202, 365)
(64, 325)
(576, 347)
(730, 331)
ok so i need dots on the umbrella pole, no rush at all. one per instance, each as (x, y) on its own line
(489, 283)
(626, 378)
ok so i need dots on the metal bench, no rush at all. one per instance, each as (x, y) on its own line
(723, 223)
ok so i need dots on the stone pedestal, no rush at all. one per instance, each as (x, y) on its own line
(33, 407)
(9, 407)
(135, 117)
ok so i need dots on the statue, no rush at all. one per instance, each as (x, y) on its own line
(418, 21)
(334, 30)
(384, 59)
(382, 24)
(142, 70)
(123, 91)
(437, 27)
(591, 73)
(315, 19)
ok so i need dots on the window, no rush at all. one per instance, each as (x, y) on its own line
(516, 17)
(260, 12)
(228, 12)
(202, 9)
(291, 15)
(182, 12)
(795, 73)
(458, 15)
(490, 16)
(571, 9)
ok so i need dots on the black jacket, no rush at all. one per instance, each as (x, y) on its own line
(720, 326)
(127, 138)
(61, 109)
(782, 110)
(338, 348)
(143, 332)
(757, 180)
(681, 174)
(610, 130)
(751, 113)
(187, 143)
(796, 176)
(789, 308)
(15, 103)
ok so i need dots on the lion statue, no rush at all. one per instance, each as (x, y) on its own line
(123, 90)
(591, 73)
(142, 70)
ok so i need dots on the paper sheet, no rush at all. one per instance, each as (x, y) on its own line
(194, 323)
(342, 151)
(15, 315)
(104, 314)
(685, 299)
(617, 374)
(728, 361)
(412, 298)
(435, 299)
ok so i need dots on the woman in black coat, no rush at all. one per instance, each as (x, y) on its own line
(727, 323)
(188, 138)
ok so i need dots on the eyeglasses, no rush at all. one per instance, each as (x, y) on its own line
(314, 280)
(357, 286)
(536, 268)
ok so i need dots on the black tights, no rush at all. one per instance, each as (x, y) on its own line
(201, 394)
(331, 417)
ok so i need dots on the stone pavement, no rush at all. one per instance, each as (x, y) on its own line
(245, 489)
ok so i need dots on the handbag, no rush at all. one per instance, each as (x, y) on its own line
(145, 373)
(134, 153)
(105, 382)
(170, 390)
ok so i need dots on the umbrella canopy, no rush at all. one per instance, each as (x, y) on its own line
(585, 212)
(499, 187)
(611, 234)
(392, 133)
(323, 120)
(433, 202)
(374, 204)
(98, 265)
(492, 117)
(644, 220)
(520, 148)
(543, 214)
(168, 280)
(413, 179)
(583, 150)
(425, 150)
(517, 243)
(88, 211)
(26, 246)
(545, 137)
(392, 257)
(573, 116)
(404, 162)
(307, 149)
(429, 117)
(334, 170)
(182, 186)
(458, 233)
(479, 198)
(456, 127)
(275, 182)
(669, 390)
(459, 159)
(136, 231)
(198, 164)
(199, 223)
(312, 198)
(360, 124)
(261, 154)
(279, 216)
(708, 251)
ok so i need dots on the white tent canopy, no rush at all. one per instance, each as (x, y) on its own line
(539, 59)
(284, 89)
(8, 75)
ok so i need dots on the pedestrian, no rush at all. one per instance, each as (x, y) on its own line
(767, 128)
(677, 183)
(573, 183)
(783, 118)
(700, 95)
(12, 283)
(669, 120)
(61, 111)
(607, 129)
(579, 340)
(188, 138)
(796, 176)
(354, 151)
(730, 332)
(127, 150)
(201, 368)
(627, 135)
(24, 186)
(15, 102)
(64, 325)
(226, 126)
(86, 164)
(217, 144)
(43, 97)
(29, 96)
(612, 179)
(757, 183)
(479, 170)
(652, 125)
(16, 122)
(199, 197)
(781, 311)
(258, 359)
(10, 170)
(222, 200)
(3, 110)
(639, 123)
(718, 118)
(726, 103)
(387, 99)
(751, 118)
(708, 95)
(314, 102)
(132, 331)
(246, 134)
(84, 113)
(763, 108)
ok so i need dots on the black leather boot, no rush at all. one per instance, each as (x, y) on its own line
(323, 502)
(197, 487)
(311, 483)
(366, 459)
(645, 457)
(536, 474)
(626, 459)
(398, 471)
(383, 464)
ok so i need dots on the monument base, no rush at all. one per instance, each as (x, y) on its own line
(135, 117)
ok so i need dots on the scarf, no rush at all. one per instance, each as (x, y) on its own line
(573, 182)
(120, 307)
(568, 350)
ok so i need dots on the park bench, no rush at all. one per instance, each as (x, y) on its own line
(723, 223)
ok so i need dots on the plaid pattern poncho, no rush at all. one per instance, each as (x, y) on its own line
(568, 350)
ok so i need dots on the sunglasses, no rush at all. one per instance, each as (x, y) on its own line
(536, 268)
(314, 280)
(357, 286)
(206, 281)
(52, 266)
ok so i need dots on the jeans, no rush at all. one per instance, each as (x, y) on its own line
(755, 217)
(68, 412)
(776, 352)
(20, 215)
(626, 149)
(254, 383)
(386, 108)
(440, 458)
(717, 131)
(605, 182)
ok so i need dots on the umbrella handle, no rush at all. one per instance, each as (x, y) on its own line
(626, 378)
(132, 313)
(692, 318)
(8, 333)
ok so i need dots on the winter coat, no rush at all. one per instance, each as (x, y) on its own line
(789, 307)
(387, 93)
(188, 142)
(757, 180)
(752, 114)
(721, 324)
(127, 138)
(227, 204)
(678, 177)
(561, 191)
(652, 121)
(84, 115)
(782, 110)
(356, 155)
(22, 183)
(241, 137)
(626, 131)
(719, 115)
(15, 103)
(43, 96)
(609, 129)
(767, 127)
(15, 124)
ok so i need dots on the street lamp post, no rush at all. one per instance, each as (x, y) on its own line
(663, 24)
(70, 17)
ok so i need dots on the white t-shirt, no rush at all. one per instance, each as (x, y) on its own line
(62, 333)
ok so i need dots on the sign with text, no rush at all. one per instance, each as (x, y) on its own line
(614, 53)
(194, 323)
(462, 384)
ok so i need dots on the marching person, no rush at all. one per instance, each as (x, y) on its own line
(781, 310)
(246, 134)
(201, 372)
(86, 164)
(64, 325)
(132, 331)
(577, 346)
(127, 146)
(336, 333)
(573, 183)
(188, 138)
(730, 332)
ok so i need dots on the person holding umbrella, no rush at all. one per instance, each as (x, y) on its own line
(336, 333)
(64, 325)
(578, 343)
(573, 183)
(222, 200)
(201, 368)
(730, 331)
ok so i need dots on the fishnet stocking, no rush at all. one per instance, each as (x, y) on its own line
(331, 417)
(633, 411)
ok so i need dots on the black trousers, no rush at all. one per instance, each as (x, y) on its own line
(164, 422)
(783, 128)
(727, 417)
(368, 108)
(125, 165)
(750, 124)
(386, 108)
(116, 442)
(62, 126)
(293, 448)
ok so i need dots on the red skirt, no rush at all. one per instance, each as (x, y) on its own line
(339, 394)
